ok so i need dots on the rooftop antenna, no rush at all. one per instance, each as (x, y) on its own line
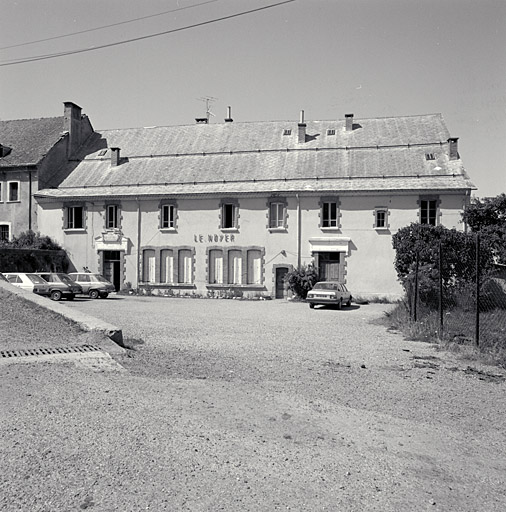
(208, 100)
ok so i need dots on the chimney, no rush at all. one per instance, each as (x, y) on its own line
(115, 157)
(349, 122)
(201, 120)
(302, 128)
(454, 152)
(72, 125)
(229, 119)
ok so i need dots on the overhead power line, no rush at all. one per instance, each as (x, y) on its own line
(107, 26)
(25, 60)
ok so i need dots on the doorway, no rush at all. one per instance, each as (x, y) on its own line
(330, 266)
(112, 262)
(280, 292)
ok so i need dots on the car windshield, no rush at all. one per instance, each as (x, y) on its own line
(325, 286)
(36, 279)
(65, 278)
(100, 279)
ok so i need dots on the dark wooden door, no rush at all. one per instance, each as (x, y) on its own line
(329, 264)
(280, 282)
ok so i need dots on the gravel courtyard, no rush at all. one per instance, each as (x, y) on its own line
(245, 406)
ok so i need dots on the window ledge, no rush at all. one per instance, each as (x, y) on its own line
(278, 230)
(74, 230)
(386, 228)
(168, 285)
(332, 228)
(16, 201)
(168, 230)
(228, 286)
(230, 230)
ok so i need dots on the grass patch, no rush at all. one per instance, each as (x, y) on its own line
(458, 334)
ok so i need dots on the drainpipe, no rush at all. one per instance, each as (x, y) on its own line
(29, 200)
(138, 240)
(298, 231)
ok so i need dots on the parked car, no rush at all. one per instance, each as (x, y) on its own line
(60, 285)
(93, 284)
(329, 292)
(28, 281)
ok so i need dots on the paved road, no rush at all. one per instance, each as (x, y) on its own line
(232, 405)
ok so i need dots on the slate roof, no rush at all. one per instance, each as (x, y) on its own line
(30, 139)
(379, 154)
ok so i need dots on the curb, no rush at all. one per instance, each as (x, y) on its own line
(86, 322)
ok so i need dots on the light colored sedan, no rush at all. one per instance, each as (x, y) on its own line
(28, 281)
(331, 293)
(93, 284)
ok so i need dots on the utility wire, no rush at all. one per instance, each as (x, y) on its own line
(72, 52)
(107, 26)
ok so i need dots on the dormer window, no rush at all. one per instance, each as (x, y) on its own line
(429, 156)
(331, 132)
(287, 132)
(4, 151)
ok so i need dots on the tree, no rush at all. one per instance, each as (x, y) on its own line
(488, 217)
(31, 240)
(301, 280)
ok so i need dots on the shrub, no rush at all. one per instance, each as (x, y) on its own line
(301, 280)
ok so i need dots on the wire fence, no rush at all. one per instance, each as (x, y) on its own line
(460, 298)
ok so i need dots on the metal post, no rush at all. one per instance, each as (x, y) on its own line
(416, 287)
(477, 333)
(440, 289)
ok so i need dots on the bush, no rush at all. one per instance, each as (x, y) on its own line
(301, 280)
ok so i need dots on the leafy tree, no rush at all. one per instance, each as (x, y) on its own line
(301, 280)
(31, 240)
(488, 217)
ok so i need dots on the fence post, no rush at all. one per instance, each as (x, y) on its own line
(440, 289)
(415, 299)
(477, 333)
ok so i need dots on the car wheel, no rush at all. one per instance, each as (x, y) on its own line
(94, 294)
(55, 295)
(348, 304)
(71, 297)
(104, 295)
(311, 305)
(340, 304)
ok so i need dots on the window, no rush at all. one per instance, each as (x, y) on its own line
(254, 266)
(13, 191)
(277, 213)
(168, 216)
(329, 214)
(428, 211)
(381, 218)
(331, 132)
(215, 266)
(112, 216)
(5, 232)
(148, 268)
(74, 217)
(185, 266)
(429, 156)
(229, 214)
(234, 267)
(166, 266)
(287, 132)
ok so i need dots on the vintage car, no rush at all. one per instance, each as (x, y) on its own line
(331, 293)
(93, 285)
(60, 285)
(28, 281)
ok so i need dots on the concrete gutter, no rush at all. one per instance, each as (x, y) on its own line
(86, 322)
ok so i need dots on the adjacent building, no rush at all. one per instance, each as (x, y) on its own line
(35, 154)
(231, 207)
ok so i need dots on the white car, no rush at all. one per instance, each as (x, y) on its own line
(93, 285)
(28, 281)
(332, 293)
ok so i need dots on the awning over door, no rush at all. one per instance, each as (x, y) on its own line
(330, 244)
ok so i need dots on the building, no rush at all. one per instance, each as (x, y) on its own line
(35, 154)
(231, 207)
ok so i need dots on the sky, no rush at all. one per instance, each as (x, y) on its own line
(372, 58)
